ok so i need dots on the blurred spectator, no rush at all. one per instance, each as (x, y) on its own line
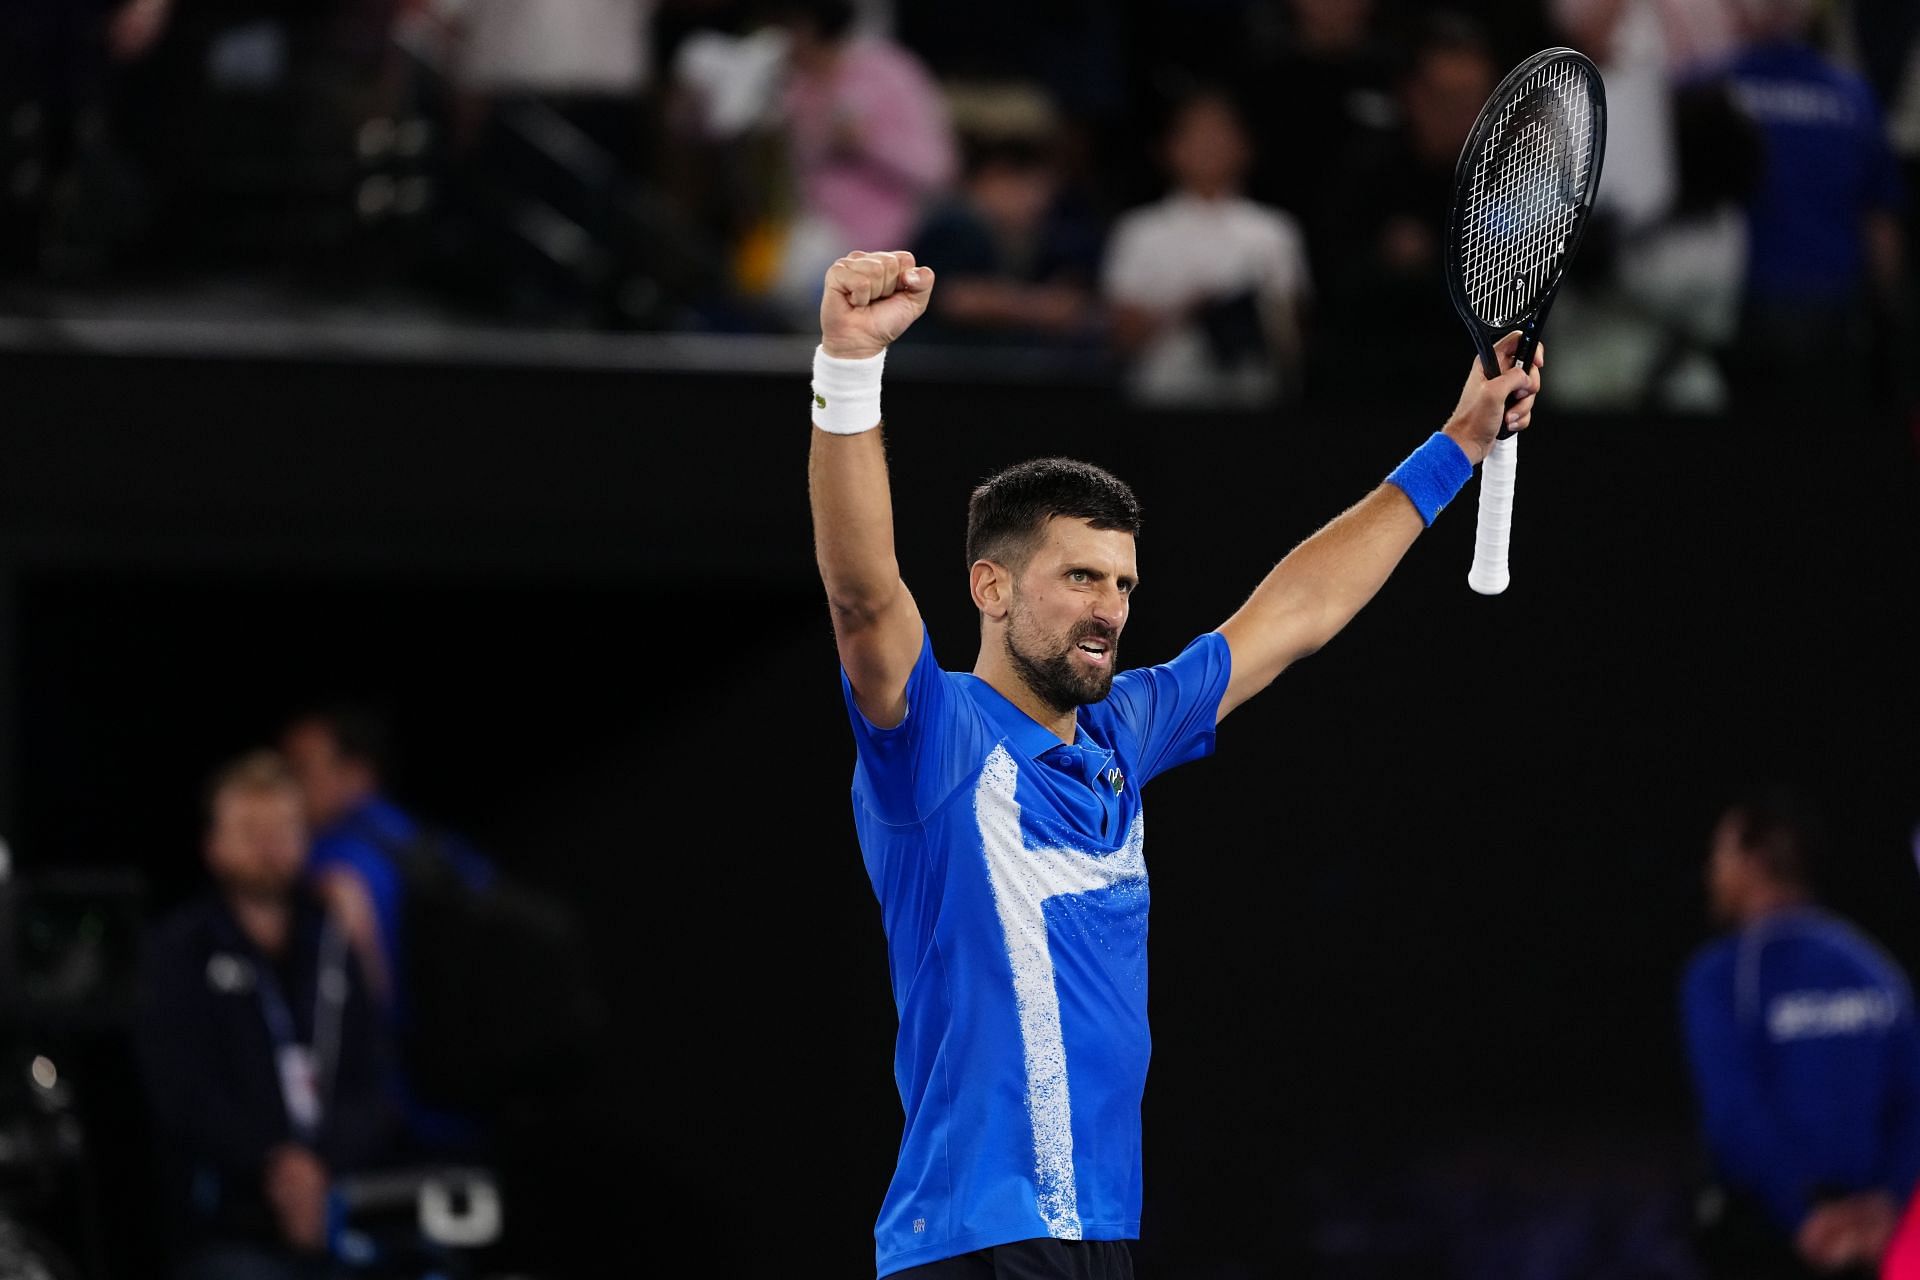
(1652, 302)
(263, 1059)
(1017, 256)
(1209, 289)
(1824, 235)
(722, 165)
(1806, 1061)
(1385, 283)
(339, 757)
(1326, 92)
(869, 143)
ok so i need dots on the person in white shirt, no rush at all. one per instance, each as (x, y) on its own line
(1208, 289)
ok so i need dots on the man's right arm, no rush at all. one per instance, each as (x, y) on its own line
(869, 300)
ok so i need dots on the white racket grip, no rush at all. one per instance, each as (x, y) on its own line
(1489, 573)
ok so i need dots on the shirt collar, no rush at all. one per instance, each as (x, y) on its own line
(1032, 738)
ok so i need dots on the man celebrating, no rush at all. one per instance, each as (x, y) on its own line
(999, 810)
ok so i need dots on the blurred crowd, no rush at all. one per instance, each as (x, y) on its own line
(352, 1044)
(1223, 203)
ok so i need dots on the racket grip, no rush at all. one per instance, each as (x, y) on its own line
(1489, 573)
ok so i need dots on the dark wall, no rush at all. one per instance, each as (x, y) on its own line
(1438, 881)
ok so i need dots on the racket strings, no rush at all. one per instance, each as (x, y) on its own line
(1524, 196)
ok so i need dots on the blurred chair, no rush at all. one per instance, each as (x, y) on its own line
(417, 1222)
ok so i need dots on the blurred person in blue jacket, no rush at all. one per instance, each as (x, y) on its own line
(363, 844)
(1806, 1061)
(1825, 241)
(263, 1060)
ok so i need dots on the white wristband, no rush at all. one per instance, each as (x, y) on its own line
(846, 393)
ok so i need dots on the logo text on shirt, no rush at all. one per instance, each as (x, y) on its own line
(1809, 1015)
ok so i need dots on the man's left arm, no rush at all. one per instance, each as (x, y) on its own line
(1309, 596)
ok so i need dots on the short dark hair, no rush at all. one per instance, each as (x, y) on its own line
(1187, 96)
(1010, 509)
(360, 733)
(1777, 827)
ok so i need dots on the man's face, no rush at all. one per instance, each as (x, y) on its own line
(1068, 608)
(257, 840)
(1208, 151)
(314, 757)
(1728, 871)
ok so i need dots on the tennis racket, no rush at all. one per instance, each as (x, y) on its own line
(1521, 196)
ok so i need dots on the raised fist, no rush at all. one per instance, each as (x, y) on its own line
(869, 300)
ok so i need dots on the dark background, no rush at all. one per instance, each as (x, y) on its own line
(1418, 925)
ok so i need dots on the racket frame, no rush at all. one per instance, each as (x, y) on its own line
(1530, 325)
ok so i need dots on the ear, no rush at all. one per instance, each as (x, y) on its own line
(992, 585)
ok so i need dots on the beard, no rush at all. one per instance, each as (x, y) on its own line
(1053, 673)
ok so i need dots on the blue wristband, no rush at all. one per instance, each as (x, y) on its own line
(1432, 474)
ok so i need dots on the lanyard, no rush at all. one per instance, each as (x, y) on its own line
(273, 1006)
(322, 1057)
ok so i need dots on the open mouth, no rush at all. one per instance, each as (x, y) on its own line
(1096, 651)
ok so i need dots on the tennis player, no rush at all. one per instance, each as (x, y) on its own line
(999, 810)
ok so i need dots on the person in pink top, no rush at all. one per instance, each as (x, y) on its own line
(868, 135)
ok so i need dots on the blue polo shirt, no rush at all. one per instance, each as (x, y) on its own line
(1806, 1062)
(1013, 888)
(1828, 163)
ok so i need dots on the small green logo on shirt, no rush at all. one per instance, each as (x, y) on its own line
(819, 401)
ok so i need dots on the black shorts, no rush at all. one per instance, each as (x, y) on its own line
(1032, 1260)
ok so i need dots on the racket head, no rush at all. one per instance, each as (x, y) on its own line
(1522, 194)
